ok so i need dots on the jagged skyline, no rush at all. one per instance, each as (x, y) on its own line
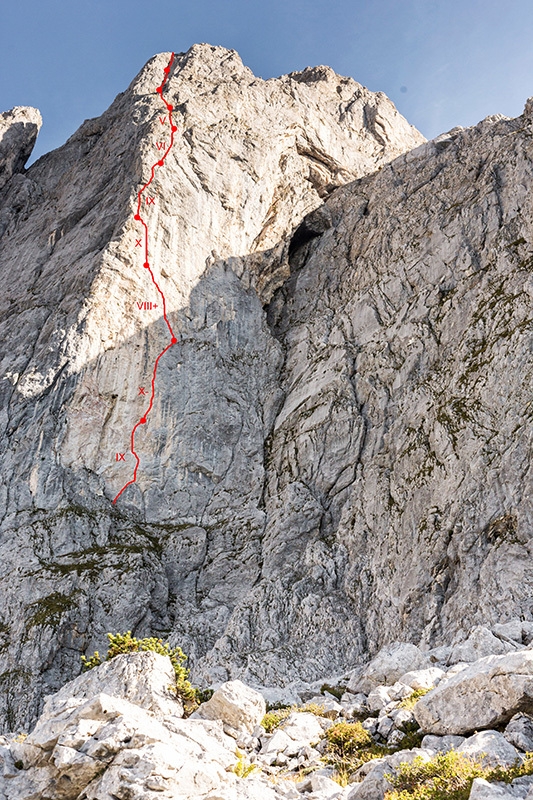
(442, 64)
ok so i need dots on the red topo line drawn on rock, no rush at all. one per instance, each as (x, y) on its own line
(138, 218)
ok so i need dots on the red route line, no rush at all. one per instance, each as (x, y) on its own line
(147, 266)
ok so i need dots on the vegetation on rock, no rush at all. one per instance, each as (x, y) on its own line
(410, 701)
(120, 643)
(279, 711)
(349, 746)
(449, 776)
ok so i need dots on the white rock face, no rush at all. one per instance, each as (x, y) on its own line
(183, 547)
(488, 692)
(335, 459)
(236, 705)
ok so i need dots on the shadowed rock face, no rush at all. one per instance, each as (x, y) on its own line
(18, 132)
(337, 455)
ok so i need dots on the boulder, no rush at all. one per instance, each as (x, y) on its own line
(379, 698)
(422, 678)
(441, 744)
(519, 732)
(483, 695)
(519, 789)
(303, 728)
(240, 707)
(402, 717)
(514, 629)
(387, 667)
(324, 786)
(480, 643)
(279, 742)
(144, 679)
(491, 748)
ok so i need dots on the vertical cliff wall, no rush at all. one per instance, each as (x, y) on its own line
(183, 547)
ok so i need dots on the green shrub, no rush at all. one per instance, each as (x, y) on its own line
(242, 768)
(409, 702)
(345, 738)
(272, 718)
(277, 712)
(349, 746)
(126, 643)
(449, 776)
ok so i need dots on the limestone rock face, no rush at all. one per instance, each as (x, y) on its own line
(18, 132)
(182, 548)
(338, 454)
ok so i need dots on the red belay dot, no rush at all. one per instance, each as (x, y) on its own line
(146, 264)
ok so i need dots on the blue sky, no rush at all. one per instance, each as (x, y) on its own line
(442, 62)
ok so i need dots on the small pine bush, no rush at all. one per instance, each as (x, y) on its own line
(346, 738)
(272, 718)
(126, 643)
(449, 776)
(409, 702)
(277, 712)
(349, 746)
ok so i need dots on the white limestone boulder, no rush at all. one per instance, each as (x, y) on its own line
(240, 707)
(146, 679)
(519, 732)
(486, 694)
(422, 678)
(491, 748)
(480, 643)
(441, 744)
(303, 727)
(519, 789)
(388, 666)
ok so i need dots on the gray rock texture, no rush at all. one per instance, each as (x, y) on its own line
(487, 693)
(18, 132)
(338, 456)
(183, 547)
